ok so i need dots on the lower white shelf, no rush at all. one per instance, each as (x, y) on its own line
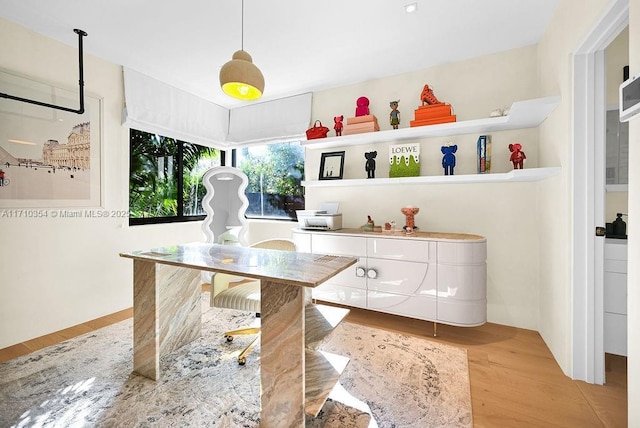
(517, 175)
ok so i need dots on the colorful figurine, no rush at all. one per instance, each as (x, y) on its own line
(410, 213)
(370, 165)
(427, 96)
(449, 158)
(517, 156)
(338, 124)
(362, 106)
(394, 116)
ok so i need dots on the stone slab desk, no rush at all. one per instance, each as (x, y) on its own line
(167, 313)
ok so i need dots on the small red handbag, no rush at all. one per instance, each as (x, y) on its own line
(317, 131)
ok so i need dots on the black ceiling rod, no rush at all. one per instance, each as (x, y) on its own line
(80, 34)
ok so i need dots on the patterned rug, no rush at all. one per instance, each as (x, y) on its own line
(392, 380)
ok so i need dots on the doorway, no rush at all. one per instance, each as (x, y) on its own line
(589, 100)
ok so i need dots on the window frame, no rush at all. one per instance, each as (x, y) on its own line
(180, 217)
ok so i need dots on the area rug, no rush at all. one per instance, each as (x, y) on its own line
(392, 380)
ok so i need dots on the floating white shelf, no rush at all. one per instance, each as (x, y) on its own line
(517, 175)
(522, 114)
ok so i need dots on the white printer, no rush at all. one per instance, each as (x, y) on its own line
(326, 218)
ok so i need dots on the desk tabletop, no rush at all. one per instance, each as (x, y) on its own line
(293, 268)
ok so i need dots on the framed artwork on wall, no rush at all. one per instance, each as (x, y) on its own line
(331, 166)
(49, 158)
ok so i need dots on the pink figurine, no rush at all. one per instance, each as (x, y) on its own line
(362, 106)
(338, 124)
(410, 213)
(517, 156)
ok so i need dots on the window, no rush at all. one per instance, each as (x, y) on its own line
(275, 174)
(165, 178)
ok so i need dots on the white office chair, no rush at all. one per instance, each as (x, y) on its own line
(233, 292)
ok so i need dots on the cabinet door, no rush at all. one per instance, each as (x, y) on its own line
(408, 278)
(420, 307)
(344, 295)
(346, 288)
(462, 294)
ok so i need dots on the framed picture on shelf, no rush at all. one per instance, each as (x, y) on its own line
(331, 166)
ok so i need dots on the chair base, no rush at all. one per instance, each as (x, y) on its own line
(229, 335)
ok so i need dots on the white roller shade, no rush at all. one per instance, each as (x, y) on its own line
(154, 106)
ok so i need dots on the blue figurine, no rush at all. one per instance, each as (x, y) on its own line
(370, 165)
(449, 159)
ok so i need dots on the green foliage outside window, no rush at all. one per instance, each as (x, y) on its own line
(275, 174)
(166, 176)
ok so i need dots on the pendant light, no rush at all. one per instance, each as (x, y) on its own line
(240, 78)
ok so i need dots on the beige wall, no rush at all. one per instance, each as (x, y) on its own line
(504, 213)
(55, 274)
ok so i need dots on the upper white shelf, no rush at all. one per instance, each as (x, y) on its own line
(522, 114)
(517, 175)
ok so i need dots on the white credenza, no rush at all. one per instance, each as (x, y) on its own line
(615, 296)
(439, 277)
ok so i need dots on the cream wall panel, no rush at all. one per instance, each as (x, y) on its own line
(568, 27)
(62, 272)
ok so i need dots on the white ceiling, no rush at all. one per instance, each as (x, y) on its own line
(300, 46)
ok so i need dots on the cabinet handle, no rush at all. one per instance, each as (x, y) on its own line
(360, 272)
(372, 274)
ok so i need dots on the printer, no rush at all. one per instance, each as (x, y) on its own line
(326, 218)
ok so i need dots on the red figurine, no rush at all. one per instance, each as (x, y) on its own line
(338, 124)
(517, 156)
(362, 106)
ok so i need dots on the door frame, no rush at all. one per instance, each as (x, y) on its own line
(588, 182)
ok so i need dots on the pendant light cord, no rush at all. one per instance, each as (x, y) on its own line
(242, 28)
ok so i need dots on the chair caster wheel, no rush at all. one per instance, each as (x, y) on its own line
(242, 361)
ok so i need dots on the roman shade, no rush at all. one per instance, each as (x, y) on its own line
(284, 119)
(157, 107)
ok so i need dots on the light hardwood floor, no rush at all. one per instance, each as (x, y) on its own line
(515, 382)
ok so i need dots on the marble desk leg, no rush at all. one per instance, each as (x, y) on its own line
(166, 313)
(282, 355)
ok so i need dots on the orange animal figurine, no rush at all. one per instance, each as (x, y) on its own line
(517, 156)
(410, 213)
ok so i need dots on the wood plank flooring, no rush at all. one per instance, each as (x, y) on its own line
(515, 382)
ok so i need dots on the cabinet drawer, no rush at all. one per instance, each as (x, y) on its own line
(619, 266)
(615, 251)
(339, 245)
(462, 282)
(462, 313)
(421, 307)
(462, 252)
(615, 293)
(615, 334)
(401, 277)
(348, 296)
(401, 249)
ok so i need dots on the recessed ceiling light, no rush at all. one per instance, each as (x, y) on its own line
(410, 8)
